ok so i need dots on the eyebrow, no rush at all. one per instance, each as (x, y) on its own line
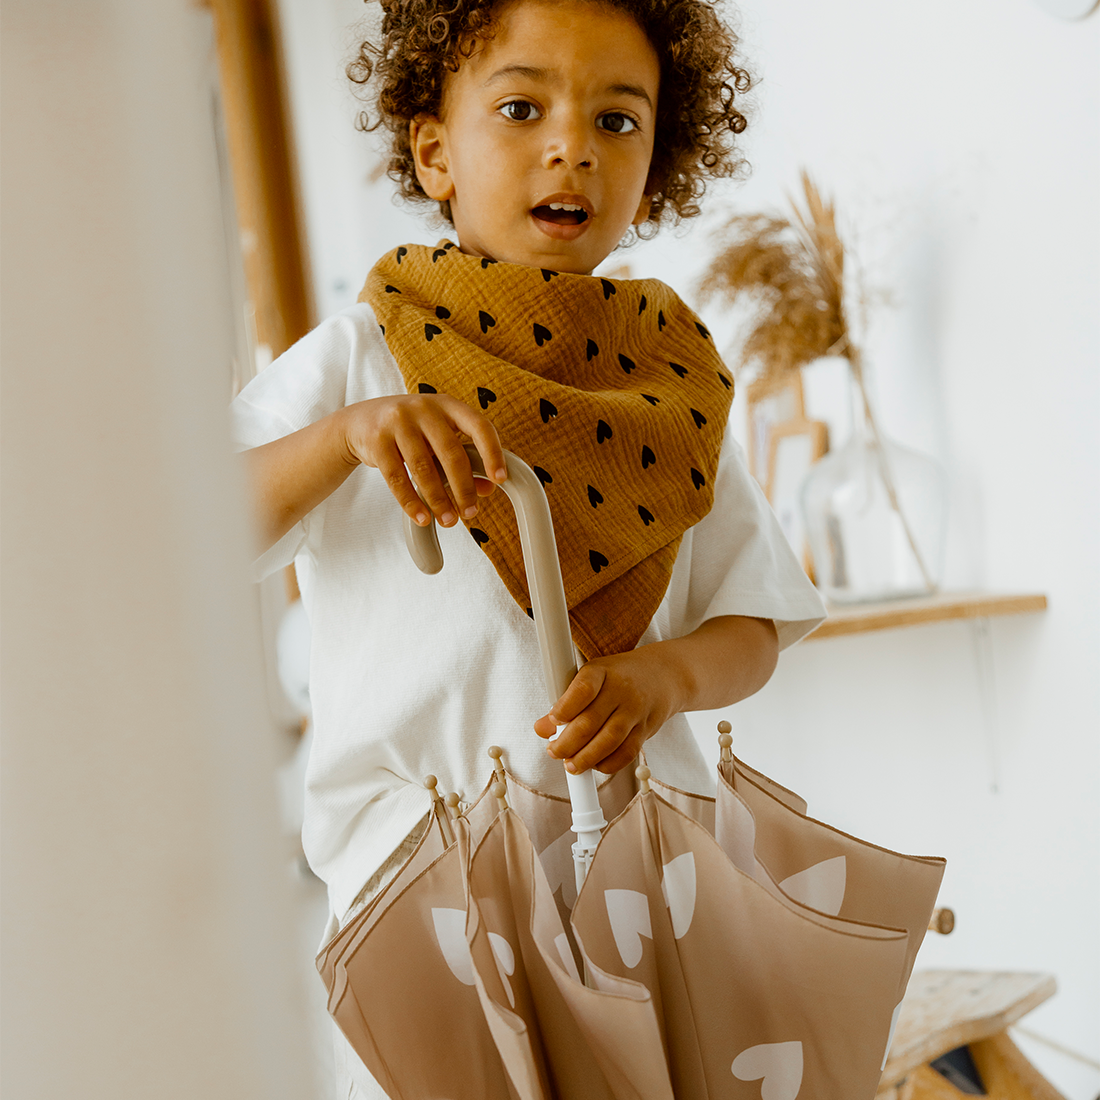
(533, 72)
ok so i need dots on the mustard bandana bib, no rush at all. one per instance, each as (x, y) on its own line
(611, 390)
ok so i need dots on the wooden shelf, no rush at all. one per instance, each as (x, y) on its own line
(864, 617)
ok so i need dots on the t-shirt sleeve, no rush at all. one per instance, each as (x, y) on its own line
(740, 563)
(308, 382)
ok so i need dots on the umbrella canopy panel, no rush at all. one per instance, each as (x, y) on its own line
(773, 840)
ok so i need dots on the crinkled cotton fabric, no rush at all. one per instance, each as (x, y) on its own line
(611, 390)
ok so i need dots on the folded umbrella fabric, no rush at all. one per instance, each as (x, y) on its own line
(431, 845)
(557, 1037)
(404, 994)
(753, 990)
(769, 837)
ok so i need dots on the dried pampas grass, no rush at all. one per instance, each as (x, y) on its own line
(791, 273)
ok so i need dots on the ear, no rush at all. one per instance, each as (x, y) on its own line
(428, 142)
(644, 207)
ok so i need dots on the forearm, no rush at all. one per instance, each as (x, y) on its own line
(727, 659)
(292, 475)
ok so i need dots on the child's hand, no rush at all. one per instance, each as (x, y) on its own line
(424, 433)
(615, 704)
(612, 707)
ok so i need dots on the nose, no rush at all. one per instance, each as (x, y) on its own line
(570, 143)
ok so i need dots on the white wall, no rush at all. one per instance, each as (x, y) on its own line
(351, 215)
(149, 946)
(962, 143)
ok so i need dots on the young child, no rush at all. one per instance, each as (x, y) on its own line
(544, 130)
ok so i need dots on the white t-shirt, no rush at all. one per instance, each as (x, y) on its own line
(413, 674)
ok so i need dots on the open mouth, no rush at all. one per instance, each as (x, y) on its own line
(561, 213)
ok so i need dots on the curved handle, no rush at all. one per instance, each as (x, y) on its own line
(540, 559)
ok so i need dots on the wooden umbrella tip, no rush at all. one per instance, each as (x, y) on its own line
(725, 742)
(943, 921)
(496, 752)
(431, 782)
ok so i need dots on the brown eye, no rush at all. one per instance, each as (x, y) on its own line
(617, 123)
(519, 110)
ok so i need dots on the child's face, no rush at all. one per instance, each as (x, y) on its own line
(558, 107)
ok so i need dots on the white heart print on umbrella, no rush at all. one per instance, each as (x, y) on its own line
(450, 933)
(628, 910)
(778, 1067)
(821, 886)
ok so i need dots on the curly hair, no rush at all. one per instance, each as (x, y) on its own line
(697, 120)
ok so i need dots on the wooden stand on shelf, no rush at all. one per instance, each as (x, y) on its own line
(966, 1012)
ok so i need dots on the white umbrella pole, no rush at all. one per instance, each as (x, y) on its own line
(588, 821)
(559, 663)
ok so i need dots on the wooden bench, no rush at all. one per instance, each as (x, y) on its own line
(944, 1010)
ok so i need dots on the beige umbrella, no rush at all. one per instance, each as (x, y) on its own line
(730, 947)
(758, 994)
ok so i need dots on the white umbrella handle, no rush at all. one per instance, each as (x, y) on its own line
(559, 665)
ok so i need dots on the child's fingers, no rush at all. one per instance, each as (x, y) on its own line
(484, 436)
(391, 466)
(602, 745)
(420, 459)
(582, 690)
(546, 726)
(624, 755)
(587, 727)
(452, 457)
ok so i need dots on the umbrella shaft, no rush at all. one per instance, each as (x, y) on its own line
(588, 819)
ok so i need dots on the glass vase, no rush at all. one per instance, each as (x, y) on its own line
(875, 515)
